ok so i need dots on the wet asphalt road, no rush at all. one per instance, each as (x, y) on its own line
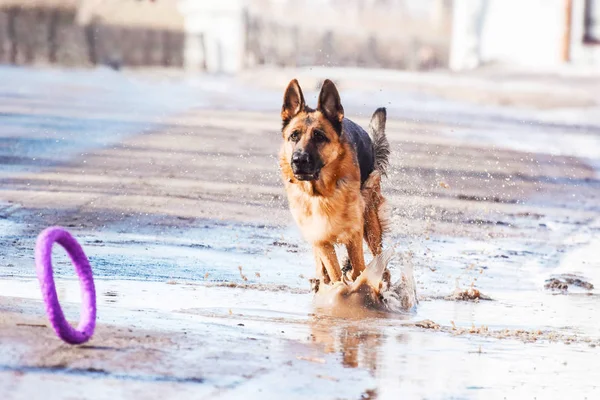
(171, 185)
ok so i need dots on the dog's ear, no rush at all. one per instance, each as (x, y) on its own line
(331, 105)
(293, 102)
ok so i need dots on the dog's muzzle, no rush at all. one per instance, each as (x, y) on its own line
(305, 167)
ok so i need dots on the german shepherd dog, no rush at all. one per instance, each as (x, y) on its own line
(332, 170)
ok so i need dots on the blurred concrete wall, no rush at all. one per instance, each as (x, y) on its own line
(226, 36)
(52, 34)
(402, 34)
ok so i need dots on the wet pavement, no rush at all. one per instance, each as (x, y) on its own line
(171, 190)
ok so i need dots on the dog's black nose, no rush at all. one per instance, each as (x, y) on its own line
(301, 159)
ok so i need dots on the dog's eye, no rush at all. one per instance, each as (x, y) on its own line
(295, 136)
(319, 136)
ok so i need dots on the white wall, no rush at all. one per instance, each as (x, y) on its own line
(526, 32)
(214, 34)
(518, 32)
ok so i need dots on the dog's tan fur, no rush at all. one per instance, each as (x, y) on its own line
(332, 209)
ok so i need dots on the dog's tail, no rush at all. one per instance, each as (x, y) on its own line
(381, 146)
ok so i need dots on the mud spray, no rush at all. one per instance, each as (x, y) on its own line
(367, 293)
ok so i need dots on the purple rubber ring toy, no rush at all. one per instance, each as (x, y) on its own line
(43, 262)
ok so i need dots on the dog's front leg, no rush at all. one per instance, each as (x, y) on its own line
(327, 259)
(356, 254)
(322, 277)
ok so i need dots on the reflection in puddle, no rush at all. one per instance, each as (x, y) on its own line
(424, 364)
(358, 343)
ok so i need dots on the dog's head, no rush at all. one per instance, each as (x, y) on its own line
(311, 136)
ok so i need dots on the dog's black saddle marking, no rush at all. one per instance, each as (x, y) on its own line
(363, 147)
